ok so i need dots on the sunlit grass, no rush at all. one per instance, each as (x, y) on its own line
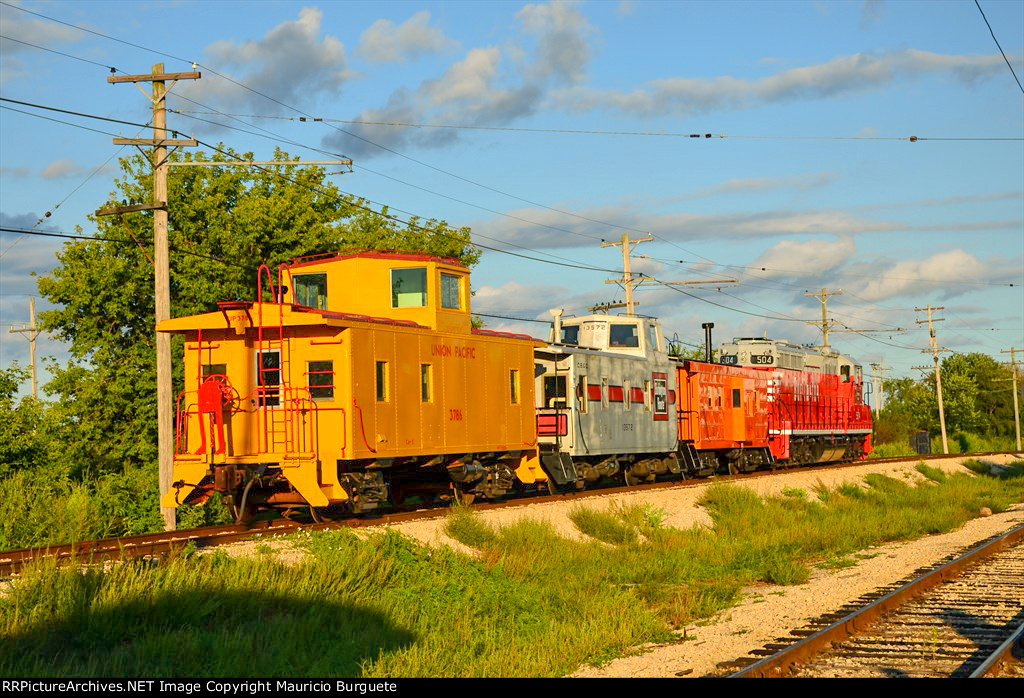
(528, 602)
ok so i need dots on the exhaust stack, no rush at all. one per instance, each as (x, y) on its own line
(557, 314)
(707, 340)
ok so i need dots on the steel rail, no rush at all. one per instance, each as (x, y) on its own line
(1002, 655)
(784, 662)
(154, 544)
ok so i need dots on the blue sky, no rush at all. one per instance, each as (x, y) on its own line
(808, 188)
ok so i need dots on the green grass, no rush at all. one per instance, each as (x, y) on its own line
(958, 443)
(528, 603)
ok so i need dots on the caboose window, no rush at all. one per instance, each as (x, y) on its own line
(214, 370)
(408, 288)
(513, 376)
(623, 336)
(450, 297)
(320, 379)
(382, 381)
(554, 391)
(736, 399)
(268, 377)
(311, 290)
(426, 382)
(652, 335)
(570, 335)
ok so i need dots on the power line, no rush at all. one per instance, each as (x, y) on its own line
(590, 267)
(594, 132)
(59, 121)
(565, 263)
(50, 234)
(352, 135)
(111, 68)
(1012, 72)
(78, 113)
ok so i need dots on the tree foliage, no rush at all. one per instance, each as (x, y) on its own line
(975, 395)
(224, 222)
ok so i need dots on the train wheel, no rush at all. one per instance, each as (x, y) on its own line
(316, 515)
(631, 480)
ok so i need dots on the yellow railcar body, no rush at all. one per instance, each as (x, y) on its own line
(358, 375)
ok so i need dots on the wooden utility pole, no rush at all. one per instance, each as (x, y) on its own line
(627, 274)
(32, 333)
(1013, 367)
(938, 369)
(823, 297)
(160, 142)
(878, 370)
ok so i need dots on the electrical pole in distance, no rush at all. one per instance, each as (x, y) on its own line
(1013, 367)
(160, 143)
(31, 333)
(938, 369)
(823, 297)
(628, 282)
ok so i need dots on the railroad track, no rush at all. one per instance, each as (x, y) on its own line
(157, 544)
(965, 618)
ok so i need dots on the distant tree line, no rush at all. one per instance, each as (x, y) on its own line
(976, 396)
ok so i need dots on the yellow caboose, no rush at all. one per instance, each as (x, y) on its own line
(364, 382)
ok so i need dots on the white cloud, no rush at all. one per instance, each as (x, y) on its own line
(292, 63)
(951, 271)
(490, 86)
(60, 169)
(840, 76)
(386, 43)
(469, 78)
(26, 29)
(562, 47)
(811, 255)
(683, 226)
(734, 186)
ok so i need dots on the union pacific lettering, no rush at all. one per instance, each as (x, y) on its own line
(454, 351)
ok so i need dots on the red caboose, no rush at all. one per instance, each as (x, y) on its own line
(725, 417)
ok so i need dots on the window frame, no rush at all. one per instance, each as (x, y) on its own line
(309, 380)
(295, 290)
(382, 381)
(426, 383)
(425, 292)
(263, 396)
(634, 337)
(458, 291)
(204, 374)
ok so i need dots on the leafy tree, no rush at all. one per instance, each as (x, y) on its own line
(974, 399)
(23, 442)
(223, 223)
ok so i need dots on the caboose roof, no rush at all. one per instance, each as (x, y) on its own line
(246, 315)
(372, 254)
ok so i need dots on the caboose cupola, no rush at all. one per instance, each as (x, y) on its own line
(430, 291)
